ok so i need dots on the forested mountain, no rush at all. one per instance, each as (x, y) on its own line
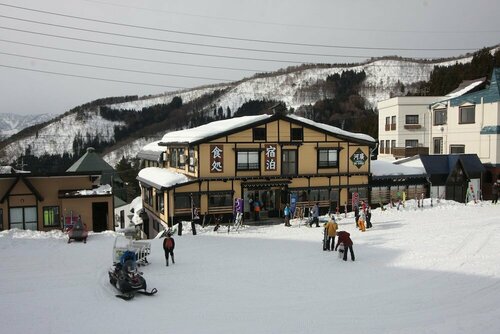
(341, 95)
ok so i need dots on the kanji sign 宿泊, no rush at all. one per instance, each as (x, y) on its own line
(270, 159)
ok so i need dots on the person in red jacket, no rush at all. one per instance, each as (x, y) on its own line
(344, 238)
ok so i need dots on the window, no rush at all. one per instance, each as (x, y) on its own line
(23, 218)
(50, 216)
(289, 162)
(177, 158)
(438, 145)
(327, 158)
(393, 144)
(183, 201)
(220, 199)
(467, 115)
(382, 147)
(297, 134)
(411, 143)
(387, 146)
(1, 219)
(411, 119)
(148, 196)
(387, 121)
(317, 195)
(393, 123)
(247, 160)
(259, 133)
(191, 162)
(160, 200)
(440, 116)
(457, 149)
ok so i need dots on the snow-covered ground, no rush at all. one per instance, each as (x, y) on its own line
(431, 270)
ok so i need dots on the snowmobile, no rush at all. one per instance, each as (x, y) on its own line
(78, 232)
(128, 280)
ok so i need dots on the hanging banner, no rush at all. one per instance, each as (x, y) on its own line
(355, 199)
(216, 158)
(270, 159)
(293, 203)
(238, 205)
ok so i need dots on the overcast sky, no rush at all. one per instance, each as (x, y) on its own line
(58, 54)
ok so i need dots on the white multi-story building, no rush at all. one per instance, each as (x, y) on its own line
(464, 121)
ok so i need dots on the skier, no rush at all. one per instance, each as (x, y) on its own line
(331, 230)
(356, 214)
(168, 246)
(344, 238)
(286, 212)
(369, 217)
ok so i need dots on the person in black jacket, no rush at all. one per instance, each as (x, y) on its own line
(368, 217)
(168, 246)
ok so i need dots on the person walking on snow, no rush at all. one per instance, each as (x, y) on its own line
(494, 192)
(168, 247)
(344, 238)
(286, 212)
(331, 231)
(369, 217)
(315, 215)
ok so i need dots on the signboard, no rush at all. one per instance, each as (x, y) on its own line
(293, 203)
(216, 158)
(359, 158)
(270, 154)
(238, 205)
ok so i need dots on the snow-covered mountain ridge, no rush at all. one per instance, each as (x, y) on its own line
(301, 86)
(11, 124)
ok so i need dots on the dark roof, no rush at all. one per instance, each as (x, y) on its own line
(92, 162)
(149, 155)
(440, 166)
(488, 95)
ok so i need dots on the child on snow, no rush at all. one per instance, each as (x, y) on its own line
(168, 246)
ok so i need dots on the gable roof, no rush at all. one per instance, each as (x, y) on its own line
(440, 166)
(90, 162)
(217, 129)
(488, 95)
(30, 186)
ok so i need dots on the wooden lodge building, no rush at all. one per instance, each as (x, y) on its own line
(270, 158)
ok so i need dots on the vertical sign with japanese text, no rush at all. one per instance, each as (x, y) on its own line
(270, 153)
(216, 158)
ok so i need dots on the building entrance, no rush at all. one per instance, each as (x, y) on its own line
(262, 203)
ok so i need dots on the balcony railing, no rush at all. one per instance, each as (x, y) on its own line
(403, 152)
(412, 126)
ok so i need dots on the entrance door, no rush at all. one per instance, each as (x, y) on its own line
(100, 216)
(270, 200)
(24, 218)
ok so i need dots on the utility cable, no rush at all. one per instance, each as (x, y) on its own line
(113, 68)
(236, 38)
(93, 78)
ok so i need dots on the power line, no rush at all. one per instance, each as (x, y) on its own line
(237, 38)
(92, 78)
(177, 42)
(113, 68)
(295, 25)
(132, 58)
(156, 49)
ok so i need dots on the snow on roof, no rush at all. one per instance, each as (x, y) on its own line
(162, 177)
(387, 168)
(11, 170)
(210, 129)
(462, 90)
(333, 129)
(217, 127)
(105, 189)
(154, 147)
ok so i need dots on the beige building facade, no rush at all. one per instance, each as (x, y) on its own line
(44, 203)
(272, 159)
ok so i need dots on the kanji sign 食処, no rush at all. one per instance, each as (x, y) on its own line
(216, 158)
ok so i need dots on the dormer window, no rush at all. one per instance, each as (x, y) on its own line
(297, 134)
(259, 133)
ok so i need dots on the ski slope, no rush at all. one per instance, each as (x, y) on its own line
(431, 270)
